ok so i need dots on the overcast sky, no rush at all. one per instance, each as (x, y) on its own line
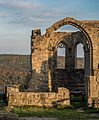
(19, 17)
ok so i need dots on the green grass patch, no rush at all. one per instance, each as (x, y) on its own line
(92, 110)
(61, 114)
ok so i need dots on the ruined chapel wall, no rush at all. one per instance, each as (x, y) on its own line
(93, 33)
(71, 40)
(39, 59)
(43, 48)
(80, 25)
(93, 91)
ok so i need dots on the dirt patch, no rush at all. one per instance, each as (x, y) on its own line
(36, 118)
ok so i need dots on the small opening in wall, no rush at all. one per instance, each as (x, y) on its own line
(61, 51)
(67, 28)
(79, 53)
(98, 65)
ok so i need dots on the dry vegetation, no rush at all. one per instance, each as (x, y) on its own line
(14, 69)
(61, 62)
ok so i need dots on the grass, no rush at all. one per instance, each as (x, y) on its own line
(61, 114)
(92, 110)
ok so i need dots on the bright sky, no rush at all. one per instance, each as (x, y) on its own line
(19, 17)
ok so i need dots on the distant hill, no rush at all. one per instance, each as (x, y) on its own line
(15, 62)
(15, 69)
(61, 62)
(80, 63)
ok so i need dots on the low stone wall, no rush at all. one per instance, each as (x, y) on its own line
(45, 99)
(11, 88)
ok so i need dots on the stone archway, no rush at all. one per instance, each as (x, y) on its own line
(43, 49)
(70, 21)
(62, 76)
(70, 77)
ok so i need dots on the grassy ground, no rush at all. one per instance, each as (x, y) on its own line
(61, 114)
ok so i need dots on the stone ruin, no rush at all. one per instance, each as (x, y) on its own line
(51, 84)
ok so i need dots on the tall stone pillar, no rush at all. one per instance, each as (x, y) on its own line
(39, 62)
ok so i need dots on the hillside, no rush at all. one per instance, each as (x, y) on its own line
(15, 69)
(61, 63)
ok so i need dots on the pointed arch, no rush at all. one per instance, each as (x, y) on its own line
(78, 24)
(79, 60)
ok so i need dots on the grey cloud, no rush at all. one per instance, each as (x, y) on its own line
(2, 14)
(20, 4)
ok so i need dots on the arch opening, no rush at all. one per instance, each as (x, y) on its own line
(61, 53)
(72, 76)
(67, 28)
(79, 56)
(80, 27)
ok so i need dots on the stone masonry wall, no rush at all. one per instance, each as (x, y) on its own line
(39, 59)
(44, 52)
(44, 47)
(93, 91)
(90, 30)
(45, 99)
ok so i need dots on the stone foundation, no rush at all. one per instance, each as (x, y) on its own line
(45, 99)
